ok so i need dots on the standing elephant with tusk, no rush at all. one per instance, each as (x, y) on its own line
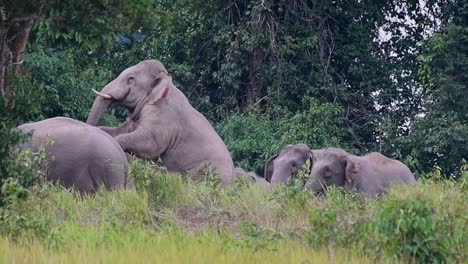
(162, 123)
(281, 167)
(369, 174)
(82, 156)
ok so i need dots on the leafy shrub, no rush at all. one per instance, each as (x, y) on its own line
(25, 169)
(66, 79)
(424, 223)
(258, 237)
(18, 171)
(15, 225)
(26, 175)
(407, 228)
(337, 221)
(163, 189)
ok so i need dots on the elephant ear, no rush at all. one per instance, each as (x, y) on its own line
(162, 88)
(268, 169)
(310, 157)
(352, 171)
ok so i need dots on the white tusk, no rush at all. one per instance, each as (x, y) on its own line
(103, 95)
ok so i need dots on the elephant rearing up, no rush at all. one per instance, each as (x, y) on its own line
(162, 123)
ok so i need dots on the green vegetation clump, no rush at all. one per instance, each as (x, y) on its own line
(18, 171)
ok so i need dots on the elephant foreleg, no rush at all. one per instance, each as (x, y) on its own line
(115, 131)
(142, 144)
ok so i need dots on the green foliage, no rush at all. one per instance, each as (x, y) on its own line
(407, 228)
(25, 170)
(257, 237)
(440, 137)
(26, 177)
(271, 63)
(24, 225)
(66, 80)
(21, 173)
(90, 24)
(163, 189)
(253, 137)
(336, 221)
(409, 223)
(17, 170)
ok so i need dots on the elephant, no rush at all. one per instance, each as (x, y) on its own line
(239, 172)
(161, 123)
(370, 174)
(82, 157)
(287, 163)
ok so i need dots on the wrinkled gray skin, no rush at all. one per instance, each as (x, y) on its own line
(81, 156)
(369, 174)
(162, 123)
(239, 172)
(285, 165)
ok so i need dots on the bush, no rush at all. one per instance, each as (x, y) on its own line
(25, 176)
(66, 80)
(407, 228)
(15, 225)
(424, 223)
(163, 189)
(18, 171)
(337, 220)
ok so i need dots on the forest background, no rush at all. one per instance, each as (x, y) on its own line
(387, 75)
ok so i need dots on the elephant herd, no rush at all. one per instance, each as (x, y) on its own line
(163, 125)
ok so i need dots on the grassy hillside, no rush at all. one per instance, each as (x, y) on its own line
(168, 220)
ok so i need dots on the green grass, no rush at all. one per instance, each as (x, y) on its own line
(170, 219)
(141, 246)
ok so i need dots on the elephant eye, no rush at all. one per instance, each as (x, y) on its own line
(293, 164)
(327, 172)
(157, 81)
(131, 80)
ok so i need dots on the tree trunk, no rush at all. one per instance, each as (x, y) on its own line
(5, 55)
(18, 36)
(14, 35)
(256, 82)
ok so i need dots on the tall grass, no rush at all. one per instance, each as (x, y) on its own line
(171, 219)
(208, 247)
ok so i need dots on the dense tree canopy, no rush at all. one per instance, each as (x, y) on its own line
(385, 75)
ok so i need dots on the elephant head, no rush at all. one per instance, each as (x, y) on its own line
(331, 167)
(286, 164)
(144, 83)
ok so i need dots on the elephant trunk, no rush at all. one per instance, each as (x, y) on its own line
(99, 106)
(280, 175)
(315, 185)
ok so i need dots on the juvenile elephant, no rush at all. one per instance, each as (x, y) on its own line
(82, 156)
(287, 163)
(162, 123)
(239, 172)
(369, 174)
